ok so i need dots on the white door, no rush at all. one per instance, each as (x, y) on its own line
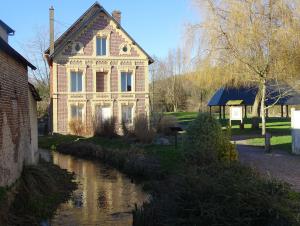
(105, 113)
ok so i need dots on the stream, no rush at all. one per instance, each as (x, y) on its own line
(105, 197)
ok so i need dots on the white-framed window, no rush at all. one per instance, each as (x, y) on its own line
(126, 81)
(101, 46)
(77, 112)
(76, 81)
(103, 113)
(127, 114)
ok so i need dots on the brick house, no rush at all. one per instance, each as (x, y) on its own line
(18, 121)
(96, 68)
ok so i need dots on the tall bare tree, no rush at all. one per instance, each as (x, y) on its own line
(258, 40)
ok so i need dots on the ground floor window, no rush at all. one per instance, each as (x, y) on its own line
(103, 113)
(77, 112)
(127, 114)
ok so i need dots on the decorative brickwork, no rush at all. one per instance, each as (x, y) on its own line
(140, 79)
(61, 78)
(101, 82)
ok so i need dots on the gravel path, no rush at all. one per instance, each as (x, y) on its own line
(278, 164)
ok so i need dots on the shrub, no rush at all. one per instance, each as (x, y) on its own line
(77, 127)
(105, 128)
(133, 162)
(127, 131)
(220, 195)
(164, 124)
(205, 142)
(142, 130)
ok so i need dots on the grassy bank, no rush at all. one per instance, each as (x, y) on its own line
(197, 184)
(279, 128)
(36, 195)
(170, 158)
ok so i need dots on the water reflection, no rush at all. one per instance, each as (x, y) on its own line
(104, 196)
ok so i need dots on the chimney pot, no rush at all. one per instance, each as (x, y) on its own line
(117, 15)
(51, 32)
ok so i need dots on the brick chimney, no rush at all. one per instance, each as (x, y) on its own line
(51, 31)
(117, 15)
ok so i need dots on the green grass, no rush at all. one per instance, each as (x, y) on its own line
(169, 156)
(51, 141)
(277, 142)
(184, 118)
(279, 128)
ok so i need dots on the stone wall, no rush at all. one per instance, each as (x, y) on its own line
(14, 118)
(32, 154)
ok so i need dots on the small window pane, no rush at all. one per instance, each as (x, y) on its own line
(79, 81)
(98, 46)
(76, 112)
(128, 82)
(123, 82)
(127, 114)
(103, 46)
(73, 81)
(79, 113)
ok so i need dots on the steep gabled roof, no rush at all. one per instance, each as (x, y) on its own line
(82, 21)
(7, 28)
(13, 53)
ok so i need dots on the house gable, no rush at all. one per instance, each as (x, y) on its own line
(79, 39)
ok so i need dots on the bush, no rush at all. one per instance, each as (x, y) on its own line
(133, 162)
(142, 131)
(127, 131)
(220, 195)
(105, 128)
(164, 124)
(205, 142)
(77, 127)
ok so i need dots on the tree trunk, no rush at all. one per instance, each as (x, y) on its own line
(255, 110)
(255, 106)
(263, 108)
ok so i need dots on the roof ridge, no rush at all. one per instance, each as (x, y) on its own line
(101, 8)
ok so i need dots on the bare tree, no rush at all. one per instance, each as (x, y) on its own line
(256, 39)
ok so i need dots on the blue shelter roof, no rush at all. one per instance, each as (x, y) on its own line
(248, 94)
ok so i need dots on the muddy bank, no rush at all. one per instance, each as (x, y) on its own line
(36, 195)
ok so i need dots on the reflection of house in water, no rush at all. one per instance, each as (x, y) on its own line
(116, 193)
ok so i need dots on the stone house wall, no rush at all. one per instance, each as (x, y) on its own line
(86, 61)
(14, 118)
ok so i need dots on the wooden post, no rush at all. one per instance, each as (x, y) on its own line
(245, 111)
(267, 112)
(210, 110)
(287, 111)
(224, 116)
(220, 112)
(281, 111)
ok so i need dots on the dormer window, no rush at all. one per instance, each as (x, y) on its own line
(101, 46)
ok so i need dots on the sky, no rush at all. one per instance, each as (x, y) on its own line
(157, 25)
